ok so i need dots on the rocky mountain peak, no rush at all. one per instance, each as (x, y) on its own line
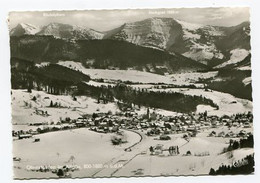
(24, 29)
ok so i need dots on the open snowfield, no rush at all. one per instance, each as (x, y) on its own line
(137, 76)
(99, 84)
(92, 151)
(228, 104)
(127, 75)
(123, 75)
(56, 148)
(193, 77)
(144, 165)
(147, 165)
(23, 113)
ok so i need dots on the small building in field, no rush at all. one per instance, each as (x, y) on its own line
(79, 124)
(24, 136)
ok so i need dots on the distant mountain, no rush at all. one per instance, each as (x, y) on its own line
(205, 43)
(235, 37)
(66, 31)
(210, 45)
(24, 29)
(153, 32)
(58, 30)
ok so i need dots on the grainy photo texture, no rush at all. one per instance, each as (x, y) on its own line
(124, 93)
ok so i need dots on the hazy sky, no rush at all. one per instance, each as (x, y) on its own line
(109, 19)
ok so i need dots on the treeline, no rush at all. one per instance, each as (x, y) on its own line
(244, 166)
(242, 143)
(169, 101)
(123, 55)
(54, 79)
(232, 83)
(142, 97)
(104, 53)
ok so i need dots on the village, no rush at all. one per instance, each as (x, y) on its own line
(131, 133)
(151, 123)
(164, 132)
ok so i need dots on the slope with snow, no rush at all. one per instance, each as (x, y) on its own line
(165, 165)
(24, 109)
(67, 31)
(228, 104)
(56, 149)
(165, 33)
(189, 26)
(193, 77)
(247, 81)
(237, 55)
(244, 68)
(43, 64)
(24, 29)
(201, 50)
(152, 32)
(114, 75)
(139, 76)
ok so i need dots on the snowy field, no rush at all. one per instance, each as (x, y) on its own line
(146, 165)
(135, 86)
(114, 75)
(56, 148)
(94, 149)
(24, 109)
(192, 77)
(138, 76)
(91, 150)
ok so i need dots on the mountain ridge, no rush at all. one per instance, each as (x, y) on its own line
(210, 45)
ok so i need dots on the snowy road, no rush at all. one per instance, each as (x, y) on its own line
(125, 158)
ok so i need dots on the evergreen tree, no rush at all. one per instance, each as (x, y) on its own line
(212, 172)
(51, 104)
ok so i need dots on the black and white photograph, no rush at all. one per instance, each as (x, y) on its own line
(131, 93)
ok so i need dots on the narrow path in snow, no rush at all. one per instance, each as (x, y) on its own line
(141, 138)
(124, 157)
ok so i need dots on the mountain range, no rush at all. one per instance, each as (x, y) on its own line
(157, 45)
(207, 44)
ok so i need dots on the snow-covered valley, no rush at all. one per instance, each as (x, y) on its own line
(143, 96)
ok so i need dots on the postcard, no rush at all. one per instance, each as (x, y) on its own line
(131, 93)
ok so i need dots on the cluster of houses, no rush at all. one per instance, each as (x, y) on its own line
(230, 134)
(159, 149)
(151, 122)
